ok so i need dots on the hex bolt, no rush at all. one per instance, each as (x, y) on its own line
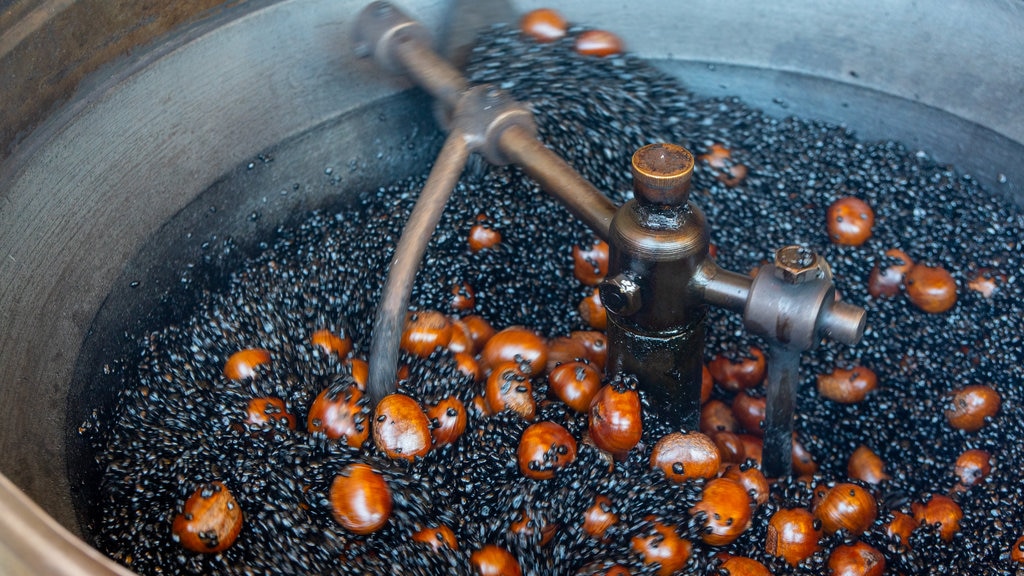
(620, 294)
(798, 264)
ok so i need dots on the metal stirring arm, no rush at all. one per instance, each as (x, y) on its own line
(481, 119)
(661, 278)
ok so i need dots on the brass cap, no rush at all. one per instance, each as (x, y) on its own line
(661, 174)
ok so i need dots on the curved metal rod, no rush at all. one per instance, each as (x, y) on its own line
(783, 380)
(394, 302)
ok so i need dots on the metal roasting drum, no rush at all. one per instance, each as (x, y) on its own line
(114, 118)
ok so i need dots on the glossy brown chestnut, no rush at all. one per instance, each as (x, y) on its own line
(753, 447)
(437, 537)
(717, 416)
(847, 386)
(493, 560)
(467, 365)
(848, 507)
(599, 517)
(664, 547)
(743, 566)
(599, 43)
(340, 414)
(242, 364)
(931, 288)
(360, 499)
(728, 172)
(575, 383)
(971, 406)
(447, 420)
(210, 521)
(887, 277)
(730, 447)
(793, 535)
(972, 466)
(684, 457)
(544, 448)
(483, 238)
(615, 420)
(543, 25)
(596, 345)
(425, 331)
(509, 389)
(592, 311)
(849, 221)
(735, 374)
(564, 349)
(866, 466)
(480, 330)
(331, 343)
(750, 477)
(857, 559)
(1017, 551)
(749, 412)
(400, 428)
(941, 510)
(590, 264)
(707, 384)
(803, 461)
(519, 345)
(262, 410)
(360, 372)
(901, 525)
(460, 342)
(726, 504)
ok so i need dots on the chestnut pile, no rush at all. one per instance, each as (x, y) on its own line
(242, 441)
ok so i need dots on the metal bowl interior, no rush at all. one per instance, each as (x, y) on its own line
(174, 162)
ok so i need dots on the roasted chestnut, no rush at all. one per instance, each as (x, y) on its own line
(726, 505)
(210, 521)
(615, 419)
(846, 507)
(400, 428)
(684, 457)
(665, 547)
(544, 448)
(793, 535)
(360, 499)
(242, 364)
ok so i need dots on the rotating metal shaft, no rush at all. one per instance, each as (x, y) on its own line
(481, 119)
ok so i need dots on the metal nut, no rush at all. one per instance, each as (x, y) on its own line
(799, 264)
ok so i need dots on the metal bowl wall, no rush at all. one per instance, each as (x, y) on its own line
(111, 197)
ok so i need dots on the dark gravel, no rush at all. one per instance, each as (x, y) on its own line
(176, 421)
